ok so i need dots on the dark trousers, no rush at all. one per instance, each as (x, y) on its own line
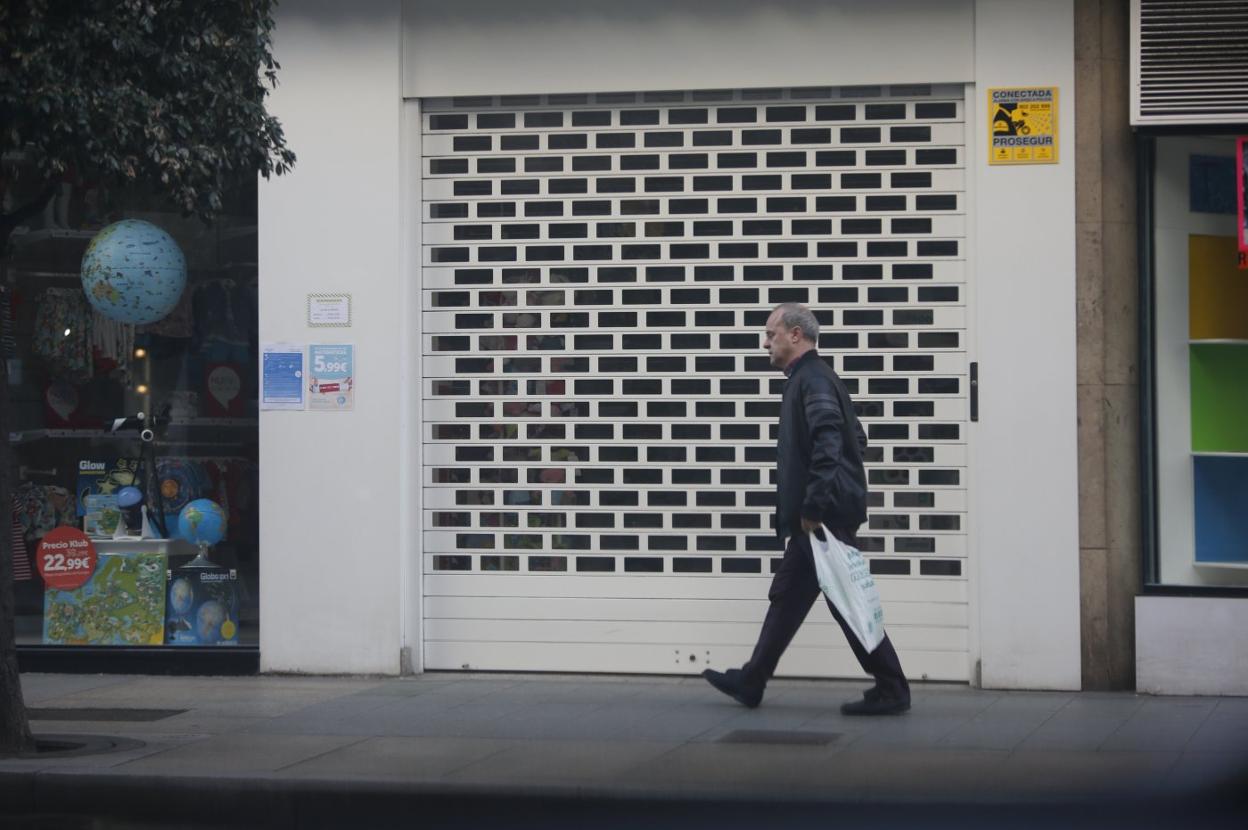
(793, 592)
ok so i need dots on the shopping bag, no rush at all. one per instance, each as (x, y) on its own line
(845, 579)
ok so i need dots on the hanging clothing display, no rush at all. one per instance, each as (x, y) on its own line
(63, 333)
(43, 507)
(21, 560)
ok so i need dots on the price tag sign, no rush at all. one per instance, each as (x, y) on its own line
(331, 377)
(66, 558)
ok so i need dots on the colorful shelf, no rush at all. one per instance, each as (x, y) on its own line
(1221, 491)
(1219, 384)
(1218, 363)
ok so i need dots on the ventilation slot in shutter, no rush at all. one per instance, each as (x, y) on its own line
(1189, 61)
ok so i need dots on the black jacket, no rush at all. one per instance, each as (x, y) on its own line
(819, 472)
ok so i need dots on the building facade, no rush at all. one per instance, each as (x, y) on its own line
(560, 227)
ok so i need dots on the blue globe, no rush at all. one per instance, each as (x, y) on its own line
(181, 595)
(202, 521)
(208, 621)
(133, 272)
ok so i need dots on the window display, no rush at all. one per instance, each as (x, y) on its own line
(1201, 363)
(131, 340)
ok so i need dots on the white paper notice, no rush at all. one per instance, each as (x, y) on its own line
(329, 309)
(281, 376)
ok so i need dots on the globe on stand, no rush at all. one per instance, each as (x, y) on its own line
(203, 523)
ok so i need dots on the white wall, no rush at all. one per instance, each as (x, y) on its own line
(1025, 513)
(500, 47)
(333, 514)
(1191, 645)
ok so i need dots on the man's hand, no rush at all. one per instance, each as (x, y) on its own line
(809, 526)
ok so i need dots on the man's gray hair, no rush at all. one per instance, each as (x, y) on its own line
(796, 315)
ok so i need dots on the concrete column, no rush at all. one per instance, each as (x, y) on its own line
(1106, 274)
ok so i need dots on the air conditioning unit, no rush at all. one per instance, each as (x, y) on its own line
(1189, 62)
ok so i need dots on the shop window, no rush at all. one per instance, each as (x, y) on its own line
(1200, 362)
(77, 380)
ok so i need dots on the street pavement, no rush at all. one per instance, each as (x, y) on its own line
(508, 750)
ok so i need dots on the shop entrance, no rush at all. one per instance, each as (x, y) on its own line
(599, 413)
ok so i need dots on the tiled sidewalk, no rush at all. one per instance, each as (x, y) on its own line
(627, 739)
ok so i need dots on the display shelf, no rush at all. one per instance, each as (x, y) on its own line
(1220, 485)
(1219, 397)
(1224, 566)
(213, 422)
(1217, 290)
(1219, 341)
(1220, 454)
(28, 435)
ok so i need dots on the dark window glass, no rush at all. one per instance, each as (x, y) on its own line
(591, 163)
(448, 122)
(494, 210)
(591, 118)
(639, 162)
(736, 115)
(712, 138)
(836, 112)
(925, 156)
(836, 158)
(935, 110)
(923, 179)
(860, 135)
(473, 143)
(496, 121)
(449, 210)
(542, 120)
(639, 118)
(912, 224)
(786, 113)
(687, 116)
(664, 139)
(922, 133)
(755, 137)
(519, 142)
(885, 157)
(836, 204)
(884, 112)
(615, 140)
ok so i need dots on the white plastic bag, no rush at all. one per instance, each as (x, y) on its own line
(845, 578)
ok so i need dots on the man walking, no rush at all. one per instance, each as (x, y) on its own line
(819, 480)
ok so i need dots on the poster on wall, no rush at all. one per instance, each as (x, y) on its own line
(1241, 185)
(331, 377)
(1022, 125)
(281, 376)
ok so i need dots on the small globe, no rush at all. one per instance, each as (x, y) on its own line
(129, 496)
(133, 272)
(202, 522)
(181, 595)
(208, 621)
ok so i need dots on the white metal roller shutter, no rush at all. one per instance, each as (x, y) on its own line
(599, 413)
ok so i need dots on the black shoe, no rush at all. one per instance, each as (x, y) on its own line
(875, 705)
(730, 683)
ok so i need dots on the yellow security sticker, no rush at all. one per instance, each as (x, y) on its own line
(1022, 125)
